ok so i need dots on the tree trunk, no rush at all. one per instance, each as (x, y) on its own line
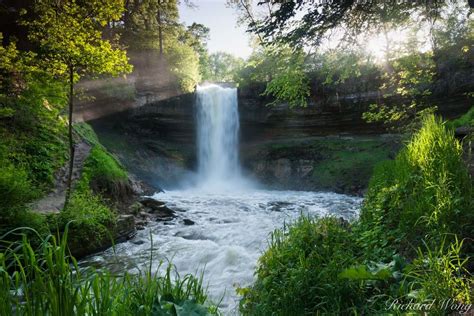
(160, 27)
(71, 142)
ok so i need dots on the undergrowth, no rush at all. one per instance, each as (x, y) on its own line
(412, 243)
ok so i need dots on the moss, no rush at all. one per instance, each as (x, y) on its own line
(102, 172)
(337, 164)
(86, 132)
(349, 163)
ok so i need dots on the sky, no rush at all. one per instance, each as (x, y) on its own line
(225, 34)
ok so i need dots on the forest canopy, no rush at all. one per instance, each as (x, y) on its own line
(406, 50)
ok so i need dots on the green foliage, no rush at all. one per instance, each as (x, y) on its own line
(86, 132)
(46, 280)
(70, 37)
(404, 247)
(281, 69)
(101, 171)
(15, 188)
(441, 273)
(223, 67)
(91, 219)
(298, 273)
(149, 22)
(32, 134)
(409, 84)
(425, 192)
(184, 63)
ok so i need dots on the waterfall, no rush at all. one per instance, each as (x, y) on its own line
(218, 137)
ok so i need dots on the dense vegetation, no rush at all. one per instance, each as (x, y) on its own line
(402, 57)
(412, 242)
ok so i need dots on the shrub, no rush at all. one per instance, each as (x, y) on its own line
(426, 193)
(298, 273)
(90, 219)
(15, 188)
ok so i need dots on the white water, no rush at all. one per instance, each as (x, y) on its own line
(230, 233)
(232, 220)
(218, 139)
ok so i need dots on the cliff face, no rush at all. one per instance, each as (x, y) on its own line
(321, 147)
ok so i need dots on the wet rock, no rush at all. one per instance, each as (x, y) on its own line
(145, 215)
(282, 169)
(343, 222)
(140, 224)
(463, 131)
(277, 205)
(125, 228)
(151, 203)
(188, 222)
(164, 213)
(138, 242)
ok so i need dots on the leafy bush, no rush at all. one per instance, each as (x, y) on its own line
(15, 188)
(90, 219)
(298, 273)
(426, 192)
(47, 281)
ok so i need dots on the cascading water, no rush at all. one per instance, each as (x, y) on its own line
(230, 225)
(218, 137)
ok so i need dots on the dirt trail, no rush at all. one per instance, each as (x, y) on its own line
(54, 201)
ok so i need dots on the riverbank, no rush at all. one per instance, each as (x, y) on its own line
(410, 245)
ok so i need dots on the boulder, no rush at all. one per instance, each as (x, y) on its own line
(151, 203)
(188, 222)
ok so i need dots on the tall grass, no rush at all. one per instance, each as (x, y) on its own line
(425, 192)
(48, 281)
(413, 241)
(297, 275)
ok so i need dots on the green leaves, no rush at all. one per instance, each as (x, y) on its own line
(362, 273)
(70, 35)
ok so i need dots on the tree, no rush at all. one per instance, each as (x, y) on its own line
(308, 21)
(223, 67)
(196, 35)
(150, 23)
(282, 70)
(69, 36)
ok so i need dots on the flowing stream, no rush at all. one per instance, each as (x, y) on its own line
(232, 217)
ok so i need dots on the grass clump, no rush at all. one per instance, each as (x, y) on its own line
(297, 274)
(425, 192)
(412, 242)
(47, 280)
